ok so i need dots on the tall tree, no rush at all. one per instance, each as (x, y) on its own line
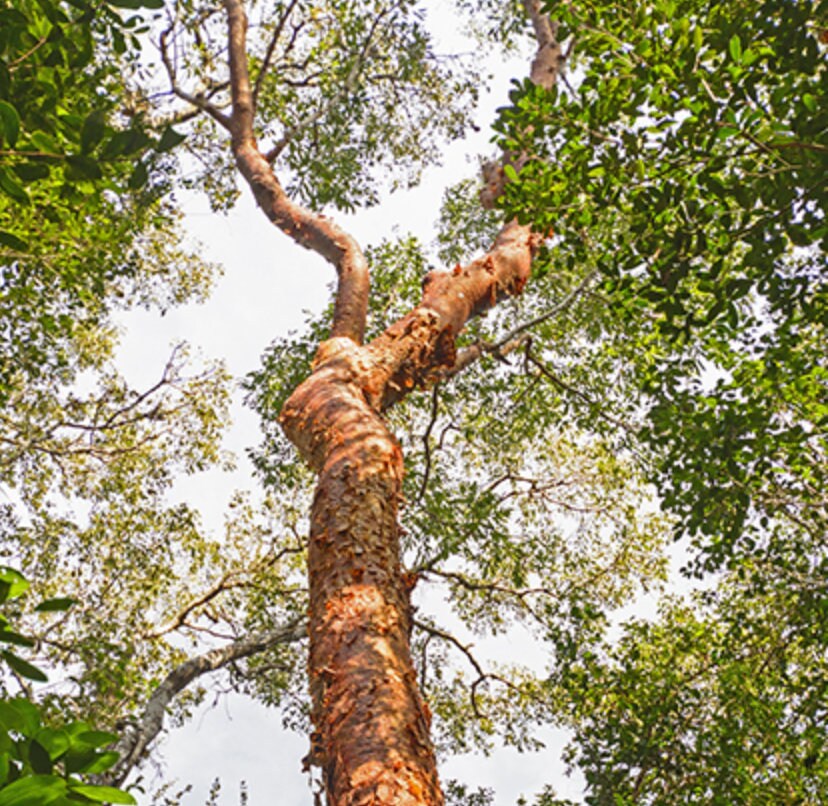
(654, 310)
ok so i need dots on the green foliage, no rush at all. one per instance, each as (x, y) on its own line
(685, 158)
(42, 763)
(673, 332)
(688, 163)
(354, 101)
(86, 462)
(82, 224)
(722, 700)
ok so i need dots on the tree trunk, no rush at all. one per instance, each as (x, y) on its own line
(371, 735)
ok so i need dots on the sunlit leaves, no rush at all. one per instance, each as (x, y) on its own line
(40, 762)
(687, 160)
(684, 158)
(352, 99)
(72, 200)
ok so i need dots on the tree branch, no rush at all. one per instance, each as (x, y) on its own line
(518, 336)
(309, 229)
(200, 101)
(274, 40)
(418, 347)
(139, 736)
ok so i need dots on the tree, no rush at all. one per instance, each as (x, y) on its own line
(660, 191)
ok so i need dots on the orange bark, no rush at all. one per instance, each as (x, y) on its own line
(372, 729)
(371, 725)
(371, 735)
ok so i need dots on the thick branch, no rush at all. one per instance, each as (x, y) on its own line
(549, 58)
(418, 347)
(516, 337)
(140, 736)
(309, 229)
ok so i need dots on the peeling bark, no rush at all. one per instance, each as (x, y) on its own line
(372, 728)
(371, 736)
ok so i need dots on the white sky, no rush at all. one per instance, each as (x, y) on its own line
(267, 283)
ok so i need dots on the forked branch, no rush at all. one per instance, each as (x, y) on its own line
(140, 735)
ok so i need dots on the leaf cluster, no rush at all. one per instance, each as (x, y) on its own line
(40, 764)
(81, 178)
(686, 159)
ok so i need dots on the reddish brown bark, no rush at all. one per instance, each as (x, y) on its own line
(371, 735)
(309, 229)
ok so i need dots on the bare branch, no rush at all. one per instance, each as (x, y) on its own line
(307, 228)
(518, 336)
(139, 737)
(427, 441)
(274, 40)
(465, 649)
(199, 101)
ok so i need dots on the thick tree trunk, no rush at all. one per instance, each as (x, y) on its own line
(371, 735)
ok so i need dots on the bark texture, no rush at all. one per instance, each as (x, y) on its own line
(371, 736)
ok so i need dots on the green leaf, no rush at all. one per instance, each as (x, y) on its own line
(84, 166)
(39, 758)
(96, 763)
(125, 142)
(10, 121)
(12, 241)
(12, 583)
(20, 715)
(139, 177)
(170, 139)
(93, 130)
(23, 668)
(46, 143)
(101, 794)
(10, 637)
(95, 738)
(735, 48)
(11, 187)
(55, 742)
(510, 172)
(56, 604)
(35, 790)
(32, 171)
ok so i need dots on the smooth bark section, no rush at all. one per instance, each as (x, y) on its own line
(138, 737)
(549, 57)
(309, 229)
(372, 727)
